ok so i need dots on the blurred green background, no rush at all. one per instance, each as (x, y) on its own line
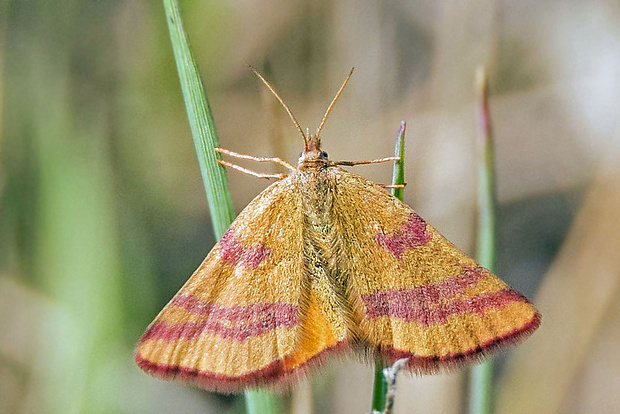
(103, 214)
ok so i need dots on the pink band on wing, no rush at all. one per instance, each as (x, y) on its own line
(445, 289)
(429, 313)
(233, 252)
(434, 303)
(411, 234)
(237, 322)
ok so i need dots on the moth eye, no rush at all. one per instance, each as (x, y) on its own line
(323, 154)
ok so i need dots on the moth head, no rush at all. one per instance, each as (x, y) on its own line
(312, 151)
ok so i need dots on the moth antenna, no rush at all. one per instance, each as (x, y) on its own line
(331, 105)
(288, 111)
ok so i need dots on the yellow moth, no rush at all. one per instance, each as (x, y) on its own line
(324, 261)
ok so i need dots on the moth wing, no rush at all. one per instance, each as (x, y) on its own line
(236, 322)
(414, 294)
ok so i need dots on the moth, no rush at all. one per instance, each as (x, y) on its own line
(324, 261)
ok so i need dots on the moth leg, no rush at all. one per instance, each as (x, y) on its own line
(259, 159)
(352, 163)
(392, 185)
(250, 172)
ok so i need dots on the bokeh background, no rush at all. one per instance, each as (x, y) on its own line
(103, 213)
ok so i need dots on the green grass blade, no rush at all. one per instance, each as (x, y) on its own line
(201, 123)
(379, 388)
(213, 175)
(398, 177)
(262, 402)
(481, 380)
(487, 197)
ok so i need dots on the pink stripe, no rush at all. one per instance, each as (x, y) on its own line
(233, 252)
(411, 234)
(255, 311)
(448, 288)
(428, 313)
(236, 322)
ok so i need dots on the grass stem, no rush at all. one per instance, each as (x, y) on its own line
(206, 140)
(201, 123)
(380, 386)
(481, 380)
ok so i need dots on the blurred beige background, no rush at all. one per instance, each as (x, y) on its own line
(103, 213)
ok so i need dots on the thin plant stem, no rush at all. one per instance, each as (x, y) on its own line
(201, 123)
(398, 176)
(481, 380)
(262, 402)
(214, 175)
(380, 386)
